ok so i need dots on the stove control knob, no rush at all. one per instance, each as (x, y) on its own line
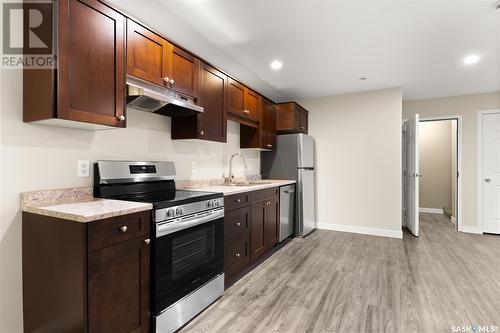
(216, 203)
(170, 213)
(210, 203)
(178, 211)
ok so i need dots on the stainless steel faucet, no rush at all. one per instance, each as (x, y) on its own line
(230, 175)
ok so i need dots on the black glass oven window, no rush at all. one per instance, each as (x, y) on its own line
(185, 260)
(192, 250)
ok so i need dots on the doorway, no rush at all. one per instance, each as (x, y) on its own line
(432, 151)
(439, 167)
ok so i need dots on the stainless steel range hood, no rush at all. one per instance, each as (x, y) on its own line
(145, 96)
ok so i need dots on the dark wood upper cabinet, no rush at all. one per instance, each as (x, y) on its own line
(252, 105)
(148, 55)
(88, 86)
(184, 72)
(291, 118)
(154, 59)
(243, 104)
(211, 123)
(263, 137)
(236, 97)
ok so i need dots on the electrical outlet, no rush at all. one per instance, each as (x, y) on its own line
(83, 168)
(194, 169)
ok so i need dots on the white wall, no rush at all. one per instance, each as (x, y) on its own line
(35, 157)
(358, 139)
(467, 106)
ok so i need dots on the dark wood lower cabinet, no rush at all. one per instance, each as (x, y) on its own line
(118, 288)
(250, 229)
(76, 281)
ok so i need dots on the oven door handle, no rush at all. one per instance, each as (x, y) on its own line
(163, 229)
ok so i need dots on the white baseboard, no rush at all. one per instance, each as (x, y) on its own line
(361, 230)
(470, 229)
(431, 210)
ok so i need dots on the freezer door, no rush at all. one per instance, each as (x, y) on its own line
(306, 218)
(305, 148)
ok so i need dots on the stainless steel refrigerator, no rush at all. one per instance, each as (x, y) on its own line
(295, 159)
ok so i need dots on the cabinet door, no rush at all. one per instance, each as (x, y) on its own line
(212, 122)
(184, 72)
(118, 288)
(257, 229)
(236, 97)
(268, 125)
(236, 256)
(271, 222)
(91, 61)
(252, 105)
(148, 55)
(303, 121)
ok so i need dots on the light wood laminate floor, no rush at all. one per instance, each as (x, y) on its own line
(341, 282)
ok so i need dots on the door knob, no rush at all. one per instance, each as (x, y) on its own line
(237, 224)
(202, 132)
(171, 81)
(488, 180)
(238, 255)
(123, 228)
(166, 79)
(147, 241)
(121, 117)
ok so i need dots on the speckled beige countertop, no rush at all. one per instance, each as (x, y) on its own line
(77, 204)
(229, 190)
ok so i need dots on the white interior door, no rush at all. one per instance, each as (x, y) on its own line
(412, 175)
(491, 173)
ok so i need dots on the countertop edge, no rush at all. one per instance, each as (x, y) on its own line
(83, 218)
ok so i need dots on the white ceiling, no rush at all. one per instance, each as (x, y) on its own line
(326, 46)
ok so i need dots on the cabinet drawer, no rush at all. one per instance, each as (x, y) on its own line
(263, 194)
(237, 255)
(237, 222)
(236, 201)
(118, 229)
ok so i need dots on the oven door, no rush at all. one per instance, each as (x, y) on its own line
(187, 254)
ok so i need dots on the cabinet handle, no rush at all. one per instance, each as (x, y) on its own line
(147, 241)
(237, 224)
(237, 255)
(166, 79)
(121, 117)
(269, 146)
(123, 228)
(246, 111)
(488, 180)
(238, 200)
(171, 81)
(202, 132)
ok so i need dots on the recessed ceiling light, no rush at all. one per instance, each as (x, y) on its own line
(472, 59)
(276, 64)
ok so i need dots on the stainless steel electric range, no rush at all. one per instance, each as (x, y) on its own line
(187, 253)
